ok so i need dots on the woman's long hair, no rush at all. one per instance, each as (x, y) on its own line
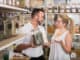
(67, 20)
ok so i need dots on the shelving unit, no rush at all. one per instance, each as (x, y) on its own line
(77, 34)
(65, 9)
(10, 41)
(19, 12)
(12, 14)
(12, 8)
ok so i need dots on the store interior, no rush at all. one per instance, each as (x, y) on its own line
(16, 13)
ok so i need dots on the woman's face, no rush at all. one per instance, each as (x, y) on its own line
(59, 23)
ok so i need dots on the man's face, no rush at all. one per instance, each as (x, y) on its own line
(40, 17)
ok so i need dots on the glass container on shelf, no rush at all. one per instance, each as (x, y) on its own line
(62, 10)
(73, 10)
(50, 25)
(67, 9)
(76, 42)
(79, 10)
(55, 9)
(6, 25)
(27, 4)
(13, 2)
(10, 2)
(1, 1)
(27, 18)
(17, 3)
(22, 3)
(36, 3)
(77, 28)
(4, 2)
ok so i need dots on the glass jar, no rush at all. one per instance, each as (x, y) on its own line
(1, 1)
(17, 3)
(10, 2)
(13, 2)
(6, 55)
(4, 2)
(38, 38)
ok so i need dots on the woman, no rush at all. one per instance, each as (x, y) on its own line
(61, 40)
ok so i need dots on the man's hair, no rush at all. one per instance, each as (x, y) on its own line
(35, 11)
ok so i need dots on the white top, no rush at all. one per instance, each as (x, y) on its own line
(32, 52)
(56, 50)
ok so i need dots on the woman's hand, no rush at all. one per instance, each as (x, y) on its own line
(47, 44)
(58, 41)
(68, 43)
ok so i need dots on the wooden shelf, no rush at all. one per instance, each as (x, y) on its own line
(12, 8)
(76, 34)
(10, 41)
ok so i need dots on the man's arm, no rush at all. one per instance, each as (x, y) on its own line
(46, 42)
(23, 46)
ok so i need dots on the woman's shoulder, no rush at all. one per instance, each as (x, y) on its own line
(68, 33)
(56, 30)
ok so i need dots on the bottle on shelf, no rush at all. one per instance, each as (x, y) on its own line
(17, 3)
(6, 55)
(10, 2)
(13, 2)
(4, 2)
(1, 1)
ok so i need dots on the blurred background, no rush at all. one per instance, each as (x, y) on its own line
(16, 13)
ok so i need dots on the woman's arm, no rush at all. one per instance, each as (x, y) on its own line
(68, 43)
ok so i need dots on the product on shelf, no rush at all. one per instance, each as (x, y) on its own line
(37, 3)
(4, 2)
(22, 3)
(50, 29)
(76, 28)
(1, 1)
(17, 3)
(13, 2)
(7, 25)
(10, 2)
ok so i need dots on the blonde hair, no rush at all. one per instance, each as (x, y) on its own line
(67, 20)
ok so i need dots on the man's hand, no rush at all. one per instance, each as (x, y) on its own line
(47, 44)
(21, 47)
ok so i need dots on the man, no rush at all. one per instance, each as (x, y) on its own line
(34, 52)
